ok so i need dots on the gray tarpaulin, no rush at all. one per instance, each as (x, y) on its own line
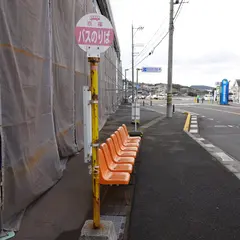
(42, 72)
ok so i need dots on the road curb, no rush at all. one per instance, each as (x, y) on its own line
(191, 124)
(194, 124)
(187, 122)
(231, 164)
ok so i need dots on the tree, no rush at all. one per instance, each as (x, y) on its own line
(192, 94)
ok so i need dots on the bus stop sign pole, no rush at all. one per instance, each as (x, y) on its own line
(94, 34)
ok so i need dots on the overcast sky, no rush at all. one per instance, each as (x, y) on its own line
(206, 39)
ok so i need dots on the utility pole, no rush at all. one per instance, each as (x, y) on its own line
(132, 64)
(126, 85)
(137, 29)
(170, 62)
(136, 105)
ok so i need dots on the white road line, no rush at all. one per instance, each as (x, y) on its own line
(220, 126)
(209, 145)
(224, 157)
(230, 126)
(227, 161)
(210, 119)
(200, 139)
(231, 168)
(193, 126)
(194, 121)
(203, 116)
(193, 130)
(219, 110)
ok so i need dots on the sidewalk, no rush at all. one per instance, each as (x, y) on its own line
(181, 193)
(60, 213)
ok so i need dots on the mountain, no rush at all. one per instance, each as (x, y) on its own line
(201, 87)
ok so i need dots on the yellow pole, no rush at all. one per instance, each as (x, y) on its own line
(95, 141)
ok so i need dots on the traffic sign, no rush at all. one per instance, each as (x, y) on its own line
(94, 34)
(151, 69)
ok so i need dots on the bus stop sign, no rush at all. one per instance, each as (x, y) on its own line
(94, 34)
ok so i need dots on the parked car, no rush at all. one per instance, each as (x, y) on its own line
(207, 97)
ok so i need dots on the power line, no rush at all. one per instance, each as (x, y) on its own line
(178, 10)
(175, 18)
(114, 66)
(160, 41)
(151, 39)
(146, 45)
(150, 53)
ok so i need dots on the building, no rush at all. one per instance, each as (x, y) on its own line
(43, 72)
(235, 89)
(160, 89)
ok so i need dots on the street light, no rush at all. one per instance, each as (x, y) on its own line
(140, 28)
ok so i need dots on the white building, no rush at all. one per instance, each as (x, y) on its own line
(236, 90)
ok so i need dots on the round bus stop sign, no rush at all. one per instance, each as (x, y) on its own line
(94, 34)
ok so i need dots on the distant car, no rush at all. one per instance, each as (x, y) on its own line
(130, 98)
(230, 97)
(154, 96)
(207, 97)
(148, 97)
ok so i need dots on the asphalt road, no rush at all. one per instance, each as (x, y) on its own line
(218, 124)
(180, 193)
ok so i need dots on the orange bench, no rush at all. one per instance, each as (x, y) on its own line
(113, 166)
(117, 157)
(107, 177)
(121, 150)
(126, 137)
(123, 140)
(122, 157)
(127, 134)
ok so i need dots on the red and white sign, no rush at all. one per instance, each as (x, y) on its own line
(94, 34)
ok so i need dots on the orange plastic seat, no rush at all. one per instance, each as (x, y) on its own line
(125, 138)
(123, 141)
(117, 154)
(112, 166)
(120, 148)
(127, 134)
(110, 178)
(121, 152)
(124, 158)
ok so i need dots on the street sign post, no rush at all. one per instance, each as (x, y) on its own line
(94, 35)
(152, 69)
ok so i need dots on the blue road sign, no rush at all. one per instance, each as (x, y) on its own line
(151, 69)
(138, 86)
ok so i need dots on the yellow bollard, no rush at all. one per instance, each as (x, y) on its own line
(95, 141)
